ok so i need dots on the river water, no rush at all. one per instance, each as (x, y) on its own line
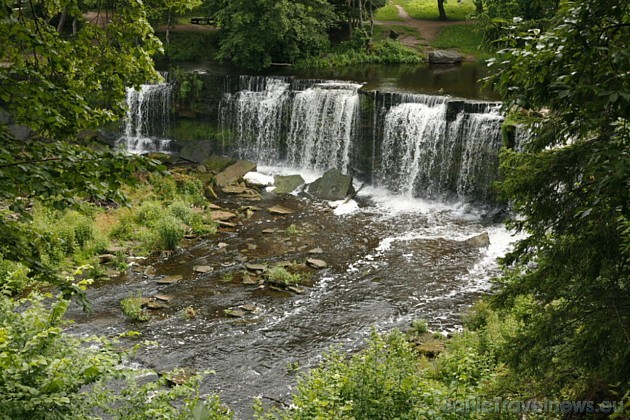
(395, 253)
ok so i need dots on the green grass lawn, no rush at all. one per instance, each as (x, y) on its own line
(463, 38)
(427, 9)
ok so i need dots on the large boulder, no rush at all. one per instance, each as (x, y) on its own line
(234, 172)
(479, 241)
(445, 57)
(216, 164)
(333, 185)
(286, 184)
(195, 150)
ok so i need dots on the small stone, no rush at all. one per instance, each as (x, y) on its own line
(269, 231)
(156, 305)
(222, 245)
(252, 247)
(163, 298)
(280, 210)
(296, 289)
(202, 169)
(248, 308)
(105, 258)
(202, 269)
(116, 250)
(249, 280)
(316, 251)
(226, 224)
(315, 263)
(213, 206)
(480, 241)
(234, 189)
(283, 264)
(169, 279)
(112, 273)
(190, 236)
(221, 215)
(256, 267)
(241, 258)
(150, 271)
(235, 313)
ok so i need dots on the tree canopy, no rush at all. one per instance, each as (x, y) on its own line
(256, 33)
(569, 183)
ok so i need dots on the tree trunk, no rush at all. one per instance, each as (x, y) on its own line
(479, 6)
(360, 13)
(371, 20)
(168, 28)
(62, 21)
(441, 9)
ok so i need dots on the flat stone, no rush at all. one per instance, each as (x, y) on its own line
(213, 206)
(235, 313)
(221, 215)
(169, 279)
(202, 169)
(163, 298)
(316, 251)
(280, 210)
(268, 231)
(190, 236)
(333, 185)
(222, 245)
(249, 280)
(150, 271)
(116, 250)
(286, 184)
(315, 263)
(156, 305)
(105, 258)
(226, 224)
(296, 289)
(248, 307)
(252, 247)
(255, 267)
(202, 269)
(234, 172)
(234, 189)
(445, 57)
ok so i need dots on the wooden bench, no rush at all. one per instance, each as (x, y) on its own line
(202, 21)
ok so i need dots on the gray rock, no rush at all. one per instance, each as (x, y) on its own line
(150, 271)
(216, 164)
(234, 172)
(20, 132)
(256, 267)
(315, 263)
(195, 150)
(480, 241)
(286, 184)
(169, 280)
(333, 185)
(279, 210)
(202, 269)
(445, 57)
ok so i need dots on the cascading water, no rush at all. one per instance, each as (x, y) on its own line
(424, 153)
(310, 128)
(147, 119)
(322, 120)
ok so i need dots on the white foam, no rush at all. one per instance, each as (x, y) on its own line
(343, 207)
(258, 178)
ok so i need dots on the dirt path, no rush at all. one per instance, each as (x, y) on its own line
(427, 29)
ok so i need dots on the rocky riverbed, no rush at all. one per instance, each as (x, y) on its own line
(287, 276)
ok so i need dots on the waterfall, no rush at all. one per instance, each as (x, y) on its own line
(148, 119)
(254, 118)
(423, 153)
(322, 120)
(272, 122)
(416, 145)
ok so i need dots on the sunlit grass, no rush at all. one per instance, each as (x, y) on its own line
(427, 9)
(464, 38)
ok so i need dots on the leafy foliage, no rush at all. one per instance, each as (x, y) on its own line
(256, 33)
(46, 373)
(569, 185)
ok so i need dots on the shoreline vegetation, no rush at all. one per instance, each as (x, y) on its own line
(555, 329)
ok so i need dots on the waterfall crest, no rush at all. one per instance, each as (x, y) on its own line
(147, 119)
